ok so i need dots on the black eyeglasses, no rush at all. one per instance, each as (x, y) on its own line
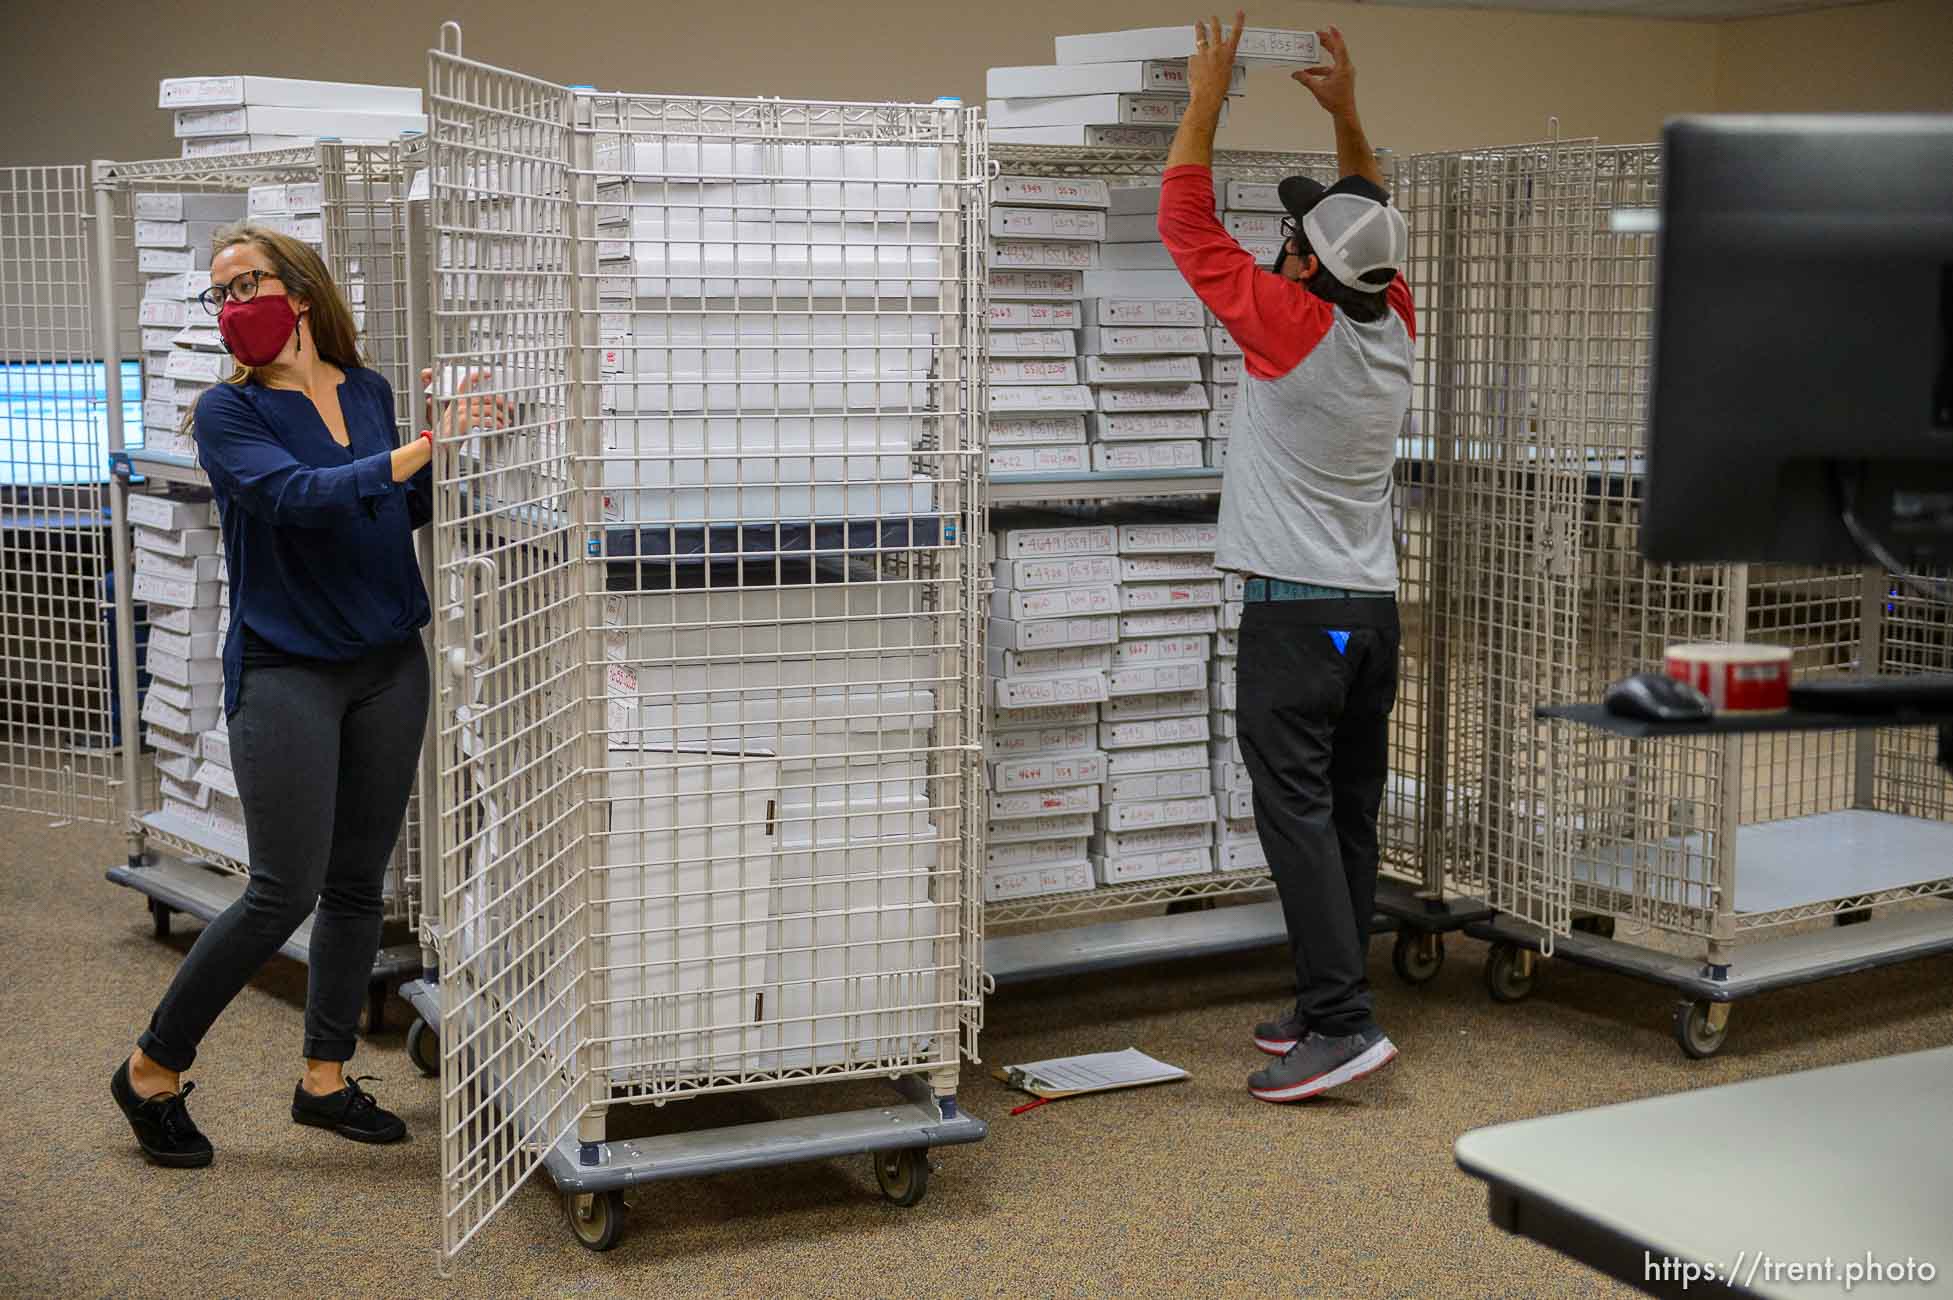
(242, 287)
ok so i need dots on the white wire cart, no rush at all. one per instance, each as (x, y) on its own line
(151, 225)
(709, 660)
(1711, 845)
(1424, 889)
(57, 709)
(108, 689)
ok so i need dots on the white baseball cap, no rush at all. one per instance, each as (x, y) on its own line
(1360, 241)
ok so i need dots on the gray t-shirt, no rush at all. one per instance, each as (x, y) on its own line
(1307, 493)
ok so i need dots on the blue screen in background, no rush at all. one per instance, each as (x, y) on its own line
(54, 421)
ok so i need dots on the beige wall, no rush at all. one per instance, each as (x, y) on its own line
(1895, 57)
(78, 79)
(1431, 79)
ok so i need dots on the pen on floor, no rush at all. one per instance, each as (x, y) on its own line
(1030, 1105)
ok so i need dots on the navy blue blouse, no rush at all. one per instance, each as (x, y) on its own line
(318, 537)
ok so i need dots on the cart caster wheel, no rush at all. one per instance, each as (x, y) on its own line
(596, 1218)
(1601, 927)
(1508, 975)
(1697, 1030)
(1417, 957)
(159, 918)
(424, 1048)
(903, 1175)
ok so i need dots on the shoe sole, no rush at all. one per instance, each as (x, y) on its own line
(1372, 1060)
(1276, 1046)
(350, 1134)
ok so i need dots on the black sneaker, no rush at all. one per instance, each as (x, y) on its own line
(1317, 1064)
(1279, 1037)
(162, 1123)
(351, 1112)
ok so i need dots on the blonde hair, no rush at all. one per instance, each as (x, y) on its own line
(303, 273)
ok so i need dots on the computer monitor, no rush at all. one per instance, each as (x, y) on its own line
(1803, 342)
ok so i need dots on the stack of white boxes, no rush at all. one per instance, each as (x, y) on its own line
(768, 341)
(1097, 95)
(1046, 233)
(1240, 845)
(760, 409)
(1252, 212)
(1157, 814)
(298, 211)
(180, 577)
(1054, 622)
(1145, 333)
(182, 354)
(224, 115)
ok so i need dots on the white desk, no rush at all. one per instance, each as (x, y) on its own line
(1836, 1163)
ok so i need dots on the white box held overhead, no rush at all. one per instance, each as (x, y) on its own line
(1258, 44)
(1139, 77)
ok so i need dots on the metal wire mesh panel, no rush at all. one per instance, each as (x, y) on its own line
(1410, 822)
(1915, 620)
(57, 722)
(509, 921)
(159, 220)
(1501, 379)
(350, 202)
(375, 231)
(1690, 836)
(788, 487)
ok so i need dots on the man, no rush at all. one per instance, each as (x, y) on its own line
(1306, 518)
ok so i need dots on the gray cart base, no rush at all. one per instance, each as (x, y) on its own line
(1761, 965)
(592, 1178)
(1112, 945)
(174, 886)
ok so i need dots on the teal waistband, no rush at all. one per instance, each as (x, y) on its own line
(1272, 589)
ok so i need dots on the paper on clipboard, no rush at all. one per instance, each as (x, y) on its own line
(1069, 1076)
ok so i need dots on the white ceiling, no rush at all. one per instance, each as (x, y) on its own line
(1699, 10)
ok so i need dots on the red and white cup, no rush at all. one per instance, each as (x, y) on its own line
(1736, 678)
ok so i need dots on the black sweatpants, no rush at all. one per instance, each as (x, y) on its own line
(325, 755)
(1315, 732)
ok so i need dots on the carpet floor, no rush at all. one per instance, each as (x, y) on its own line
(1187, 1189)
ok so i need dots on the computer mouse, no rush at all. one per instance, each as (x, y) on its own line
(1656, 697)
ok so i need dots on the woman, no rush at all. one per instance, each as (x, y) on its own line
(325, 680)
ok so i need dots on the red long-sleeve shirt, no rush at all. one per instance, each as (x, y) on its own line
(1276, 321)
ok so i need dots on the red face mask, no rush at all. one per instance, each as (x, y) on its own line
(256, 331)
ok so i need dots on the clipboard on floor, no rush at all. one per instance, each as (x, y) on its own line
(1075, 1076)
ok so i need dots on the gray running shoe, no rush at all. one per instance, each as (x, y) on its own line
(1317, 1064)
(1279, 1037)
